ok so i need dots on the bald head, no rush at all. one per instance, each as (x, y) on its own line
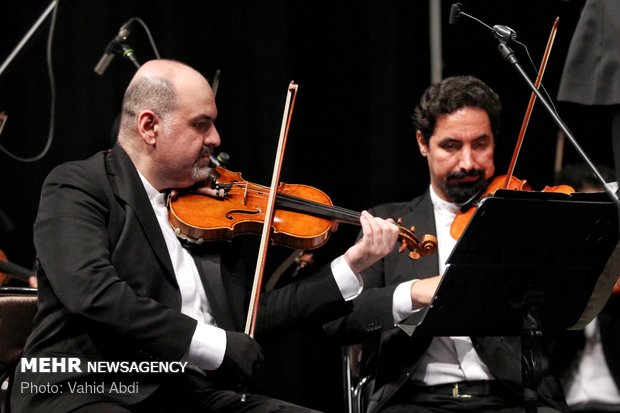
(166, 68)
(158, 85)
(168, 124)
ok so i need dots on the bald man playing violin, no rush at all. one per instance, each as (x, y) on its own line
(456, 123)
(116, 285)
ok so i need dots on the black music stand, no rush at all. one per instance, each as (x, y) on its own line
(527, 263)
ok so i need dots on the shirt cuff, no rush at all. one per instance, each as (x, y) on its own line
(206, 351)
(349, 283)
(402, 306)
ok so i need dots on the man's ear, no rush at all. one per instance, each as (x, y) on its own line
(421, 143)
(148, 126)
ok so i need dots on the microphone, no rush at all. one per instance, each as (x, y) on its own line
(455, 12)
(503, 33)
(113, 47)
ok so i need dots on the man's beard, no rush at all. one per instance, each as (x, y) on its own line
(203, 168)
(464, 193)
(202, 172)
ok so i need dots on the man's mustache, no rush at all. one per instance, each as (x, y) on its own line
(206, 151)
(465, 174)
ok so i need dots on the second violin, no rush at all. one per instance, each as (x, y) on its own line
(499, 182)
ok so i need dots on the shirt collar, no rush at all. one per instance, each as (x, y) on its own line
(154, 195)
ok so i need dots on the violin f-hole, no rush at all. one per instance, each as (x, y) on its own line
(256, 211)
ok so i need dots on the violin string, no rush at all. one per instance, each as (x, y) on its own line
(320, 210)
(346, 215)
(305, 202)
(329, 210)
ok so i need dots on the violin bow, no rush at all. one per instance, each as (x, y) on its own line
(269, 212)
(3, 118)
(530, 105)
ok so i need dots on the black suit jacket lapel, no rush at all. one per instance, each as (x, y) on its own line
(129, 188)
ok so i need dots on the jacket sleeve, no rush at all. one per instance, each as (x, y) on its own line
(316, 299)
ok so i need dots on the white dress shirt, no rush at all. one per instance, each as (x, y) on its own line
(590, 380)
(447, 359)
(208, 344)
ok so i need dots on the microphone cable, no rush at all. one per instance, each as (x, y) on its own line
(504, 34)
(52, 82)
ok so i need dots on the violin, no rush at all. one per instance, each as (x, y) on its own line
(4, 277)
(9, 270)
(499, 182)
(304, 216)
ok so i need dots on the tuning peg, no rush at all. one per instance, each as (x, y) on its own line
(403, 245)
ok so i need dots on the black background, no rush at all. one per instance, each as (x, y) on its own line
(361, 66)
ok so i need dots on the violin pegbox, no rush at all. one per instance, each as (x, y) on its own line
(417, 249)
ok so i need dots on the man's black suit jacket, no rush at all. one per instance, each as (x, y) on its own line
(399, 354)
(107, 289)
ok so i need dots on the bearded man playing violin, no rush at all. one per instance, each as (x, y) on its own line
(117, 285)
(456, 123)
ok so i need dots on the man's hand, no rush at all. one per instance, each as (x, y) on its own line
(243, 355)
(379, 239)
(423, 291)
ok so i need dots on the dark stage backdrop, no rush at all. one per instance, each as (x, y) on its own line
(361, 67)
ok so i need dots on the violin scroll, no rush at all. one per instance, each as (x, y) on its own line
(409, 241)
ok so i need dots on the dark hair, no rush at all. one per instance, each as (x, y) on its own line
(452, 94)
(580, 176)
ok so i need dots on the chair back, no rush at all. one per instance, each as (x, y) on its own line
(18, 305)
(359, 365)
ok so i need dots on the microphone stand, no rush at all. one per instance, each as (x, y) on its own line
(27, 37)
(125, 51)
(531, 328)
(508, 54)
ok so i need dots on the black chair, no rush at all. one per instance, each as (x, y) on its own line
(356, 380)
(359, 364)
(18, 305)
